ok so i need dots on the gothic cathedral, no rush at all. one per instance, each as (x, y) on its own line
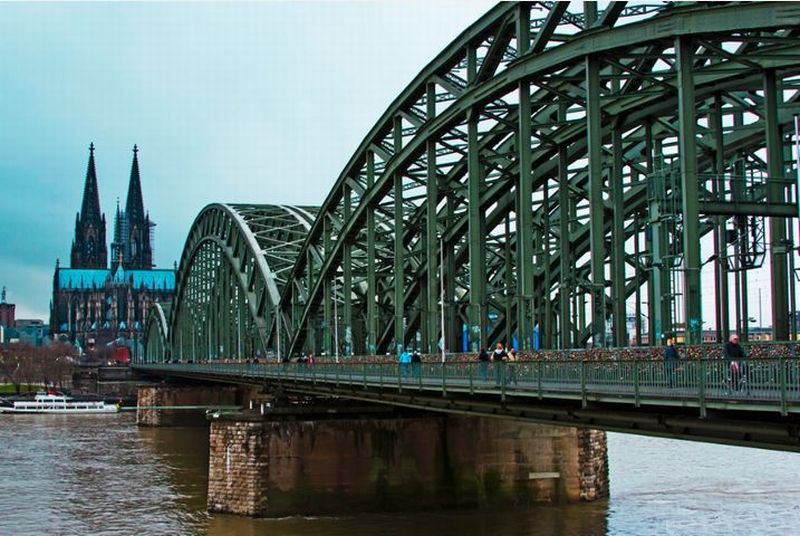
(94, 303)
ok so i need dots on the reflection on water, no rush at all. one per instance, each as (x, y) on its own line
(100, 474)
(541, 521)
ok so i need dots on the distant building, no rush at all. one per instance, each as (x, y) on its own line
(92, 302)
(32, 331)
(7, 311)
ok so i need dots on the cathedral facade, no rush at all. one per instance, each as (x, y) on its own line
(97, 300)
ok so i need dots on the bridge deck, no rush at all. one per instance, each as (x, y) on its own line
(764, 385)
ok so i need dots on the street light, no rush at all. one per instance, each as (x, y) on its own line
(335, 321)
(278, 330)
(441, 291)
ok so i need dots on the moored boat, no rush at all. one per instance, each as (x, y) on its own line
(56, 403)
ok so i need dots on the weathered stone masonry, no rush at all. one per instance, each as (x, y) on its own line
(593, 464)
(162, 396)
(263, 467)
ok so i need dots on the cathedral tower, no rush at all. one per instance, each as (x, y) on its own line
(132, 241)
(89, 245)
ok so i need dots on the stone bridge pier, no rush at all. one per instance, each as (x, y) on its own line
(279, 464)
(184, 405)
(314, 456)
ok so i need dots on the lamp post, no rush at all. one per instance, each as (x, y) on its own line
(760, 317)
(335, 322)
(441, 291)
(278, 331)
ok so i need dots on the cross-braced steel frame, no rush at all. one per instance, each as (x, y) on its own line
(553, 173)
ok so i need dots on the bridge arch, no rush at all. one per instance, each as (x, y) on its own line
(548, 175)
(623, 111)
(230, 277)
(156, 334)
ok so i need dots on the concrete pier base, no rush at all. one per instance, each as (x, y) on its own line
(274, 466)
(152, 402)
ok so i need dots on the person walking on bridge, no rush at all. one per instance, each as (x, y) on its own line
(405, 362)
(736, 358)
(483, 364)
(416, 363)
(511, 367)
(671, 358)
(498, 358)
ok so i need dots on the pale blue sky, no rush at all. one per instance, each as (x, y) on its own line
(247, 102)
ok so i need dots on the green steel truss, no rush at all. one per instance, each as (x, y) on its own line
(156, 331)
(558, 167)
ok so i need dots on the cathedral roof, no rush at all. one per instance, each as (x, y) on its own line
(86, 279)
(154, 279)
(81, 278)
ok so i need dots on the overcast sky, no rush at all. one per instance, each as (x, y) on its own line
(249, 102)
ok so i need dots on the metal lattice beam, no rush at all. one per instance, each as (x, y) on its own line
(565, 166)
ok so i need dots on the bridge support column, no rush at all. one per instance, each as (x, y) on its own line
(166, 405)
(270, 466)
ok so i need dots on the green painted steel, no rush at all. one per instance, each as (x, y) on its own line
(646, 397)
(432, 233)
(156, 335)
(771, 385)
(687, 123)
(570, 165)
(777, 226)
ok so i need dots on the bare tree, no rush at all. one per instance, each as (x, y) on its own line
(49, 365)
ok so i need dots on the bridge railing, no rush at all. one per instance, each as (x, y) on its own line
(771, 383)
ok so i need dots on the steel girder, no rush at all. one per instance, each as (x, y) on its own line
(606, 104)
(232, 272)
(156, 334)
(546, 173)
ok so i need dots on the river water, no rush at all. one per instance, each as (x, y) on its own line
(102, 475)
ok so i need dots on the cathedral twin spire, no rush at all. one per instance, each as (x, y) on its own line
(89, 246)
(132, 243)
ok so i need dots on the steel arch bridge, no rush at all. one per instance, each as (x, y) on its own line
(554, 168)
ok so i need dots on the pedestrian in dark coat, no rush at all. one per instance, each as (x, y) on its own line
(483, 364)
(416, 364)
(671, 358)
(736, 357)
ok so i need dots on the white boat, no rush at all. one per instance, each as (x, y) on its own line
(57, 403)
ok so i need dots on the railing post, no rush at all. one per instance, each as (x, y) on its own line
(444, 380)
(365, 375)
(784, 387)
(583, 383)
(702, 388)
(502, 380)
(636, 383)
(471, 387)
(539, 367)
(380, 375)
(336, 368)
